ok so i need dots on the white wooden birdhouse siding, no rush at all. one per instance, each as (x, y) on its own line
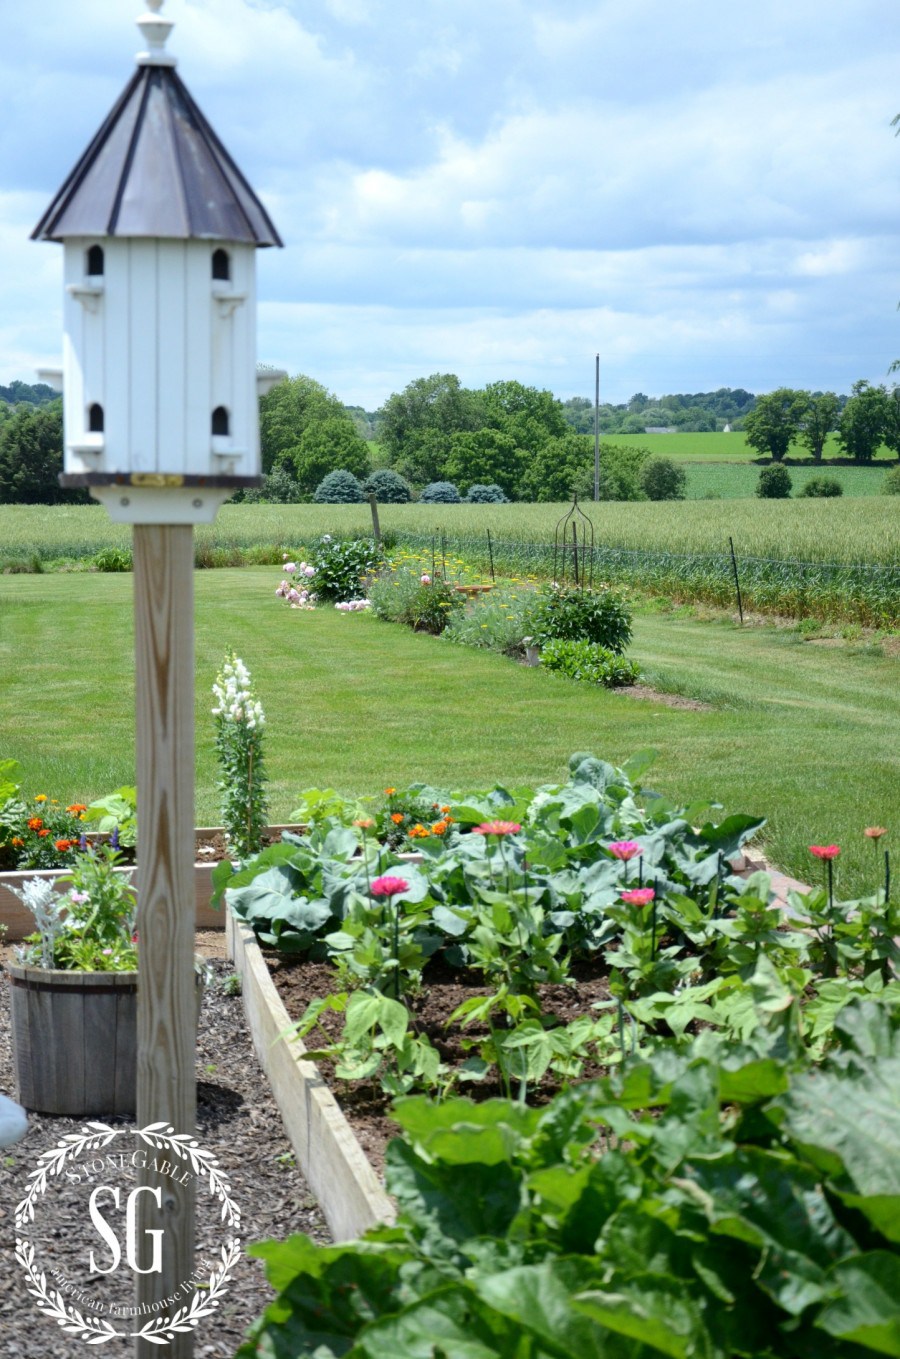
(160, 232)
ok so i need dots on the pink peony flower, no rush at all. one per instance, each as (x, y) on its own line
(387, 886)
(624, 849)
(638, 896)
(825, 851)
(290, 566)
(497, 828)
(307, 570)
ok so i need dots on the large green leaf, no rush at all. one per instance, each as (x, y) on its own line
(448, 1206)
(850, 1130)
(460, 1131)
(655, 1311)
(868, 1312)
(539, 1299)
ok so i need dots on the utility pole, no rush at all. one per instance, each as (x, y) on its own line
(597, 428)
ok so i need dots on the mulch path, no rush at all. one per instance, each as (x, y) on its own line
(237, 1120)
(365, 1106)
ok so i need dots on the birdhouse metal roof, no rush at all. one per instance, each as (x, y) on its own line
(157, 168)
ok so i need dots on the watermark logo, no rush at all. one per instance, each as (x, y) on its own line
(101, 1157)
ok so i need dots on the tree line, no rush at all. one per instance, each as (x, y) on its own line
(503, 441)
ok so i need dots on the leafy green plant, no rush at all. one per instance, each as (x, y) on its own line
(239, 722)
(663, 479)
(566, 613)
(38, 833)
(113, 559)
(686, 1205)
(89, 928)
(589, 662)
(495, 620)
(116, 814)
(342, 567)
(423, 604)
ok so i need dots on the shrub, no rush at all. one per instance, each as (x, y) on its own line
(891, 483)
(388, 487)
(404, 599)
(774, 483)
(440, 493)
(342, 567)
(822, 486)
(338, 488)
(621, 468)
(495, 621)
(486, 495)
(113, 559)
(663, 479)
(589, 662)
(563, 612)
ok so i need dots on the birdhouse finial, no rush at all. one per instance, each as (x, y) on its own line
(155, 31)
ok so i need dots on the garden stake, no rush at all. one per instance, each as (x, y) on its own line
(432, 557)
(737, 583)
(830, 892)
(887, 877)
(396, 950)
(622, 1028)
(653, 926)
(490, 553)
(443, 556)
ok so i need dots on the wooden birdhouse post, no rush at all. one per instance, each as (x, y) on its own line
(160, 230)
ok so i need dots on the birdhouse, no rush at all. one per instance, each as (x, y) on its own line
(159, 231)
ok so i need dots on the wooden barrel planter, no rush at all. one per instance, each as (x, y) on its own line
(74, 1040)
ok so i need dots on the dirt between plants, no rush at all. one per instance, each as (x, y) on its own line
(365, 1106)
(237, 1120)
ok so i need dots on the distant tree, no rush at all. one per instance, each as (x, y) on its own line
(861, 427)
(338, 488)
(424, 458)
(325, 446)
(485, 456)
(559, 469)
(621, 468)
(530, 415)
(891, 432)
(663, 479)
(388, 487)
(438, 404)
(774, 483)
(288, 410)
(775, 421)
(579, 413)
(819, 419)
(31, 458)
(37, 394)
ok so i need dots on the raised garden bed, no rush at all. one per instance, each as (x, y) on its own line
(210, 843)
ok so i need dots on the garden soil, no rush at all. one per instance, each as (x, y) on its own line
(365, 1106)
(238, 1122)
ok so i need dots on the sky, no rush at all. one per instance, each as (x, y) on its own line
(705, 195)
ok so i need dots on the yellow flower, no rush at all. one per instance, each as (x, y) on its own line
(41, 797)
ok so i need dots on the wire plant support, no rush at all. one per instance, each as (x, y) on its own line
(573, 548)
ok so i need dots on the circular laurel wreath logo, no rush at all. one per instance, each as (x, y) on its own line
(159, 1330)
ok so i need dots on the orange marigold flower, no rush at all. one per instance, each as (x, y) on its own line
(445, 810)
(63, 845)
(35, 823)
(76, 807)
(396, 817)
(41, 797)
(389, 792)
(42, 833)
(17, 842)
(419, 832)
(438, 828)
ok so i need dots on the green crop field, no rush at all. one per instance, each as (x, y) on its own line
(680, 549)
(738, 480)
(720, 447)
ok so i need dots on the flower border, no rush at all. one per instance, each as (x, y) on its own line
(159, 1330)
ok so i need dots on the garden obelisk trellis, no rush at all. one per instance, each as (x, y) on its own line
(160, 230)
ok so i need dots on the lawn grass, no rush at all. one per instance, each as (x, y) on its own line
(800, 732)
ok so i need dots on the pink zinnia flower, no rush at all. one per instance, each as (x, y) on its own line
(875, 832)
(638, 896)
(624, 849)
(426, 580)
(388, 887)
(825, 851)
(497, 828)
